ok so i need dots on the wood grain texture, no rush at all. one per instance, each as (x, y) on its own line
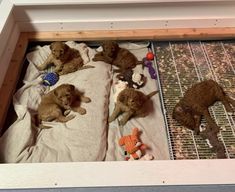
(12, 77)
(138, 34)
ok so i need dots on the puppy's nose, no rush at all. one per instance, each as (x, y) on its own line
(66, 103)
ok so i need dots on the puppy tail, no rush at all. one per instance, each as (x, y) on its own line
(140, 63)
(152, 94)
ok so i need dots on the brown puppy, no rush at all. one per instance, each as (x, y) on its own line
(65, 59)
(117, 56)
(130, 102)
(59, 101)
(195, 103)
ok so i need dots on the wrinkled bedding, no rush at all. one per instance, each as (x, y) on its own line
(84, 138)
(81, 139)
(152, 126)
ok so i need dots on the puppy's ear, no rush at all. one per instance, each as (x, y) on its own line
(51, 46)
(66, 47)
(103, 43)
(55, 93)
(115, 44)
(121, 98)
(71, 87)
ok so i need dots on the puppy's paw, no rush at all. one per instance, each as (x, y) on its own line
(202, 127)
(41, 68)
(60, 72)
(66, 112)
(81, 111)
(122, 122)
(86, 99)
(110, 119)
(69, 117)
(95, 58)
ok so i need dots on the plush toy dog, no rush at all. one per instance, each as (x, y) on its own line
(134, 79)
(133, 146)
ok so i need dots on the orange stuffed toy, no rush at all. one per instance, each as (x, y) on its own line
(133, 145)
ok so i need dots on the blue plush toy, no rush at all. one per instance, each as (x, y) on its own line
(50, 79)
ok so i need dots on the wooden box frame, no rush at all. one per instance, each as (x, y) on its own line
(20, 23)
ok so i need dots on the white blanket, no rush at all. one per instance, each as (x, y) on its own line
(81, 139)
(88, 137)
(152, 126)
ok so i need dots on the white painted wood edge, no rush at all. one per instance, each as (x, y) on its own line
(119, 173)
(77, 2)
(5, 10)
(94, 174)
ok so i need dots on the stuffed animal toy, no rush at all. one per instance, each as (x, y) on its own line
(119, 86)
(152, 71)
(134, 79)
(132, 145)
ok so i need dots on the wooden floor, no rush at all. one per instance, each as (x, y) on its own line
(16, 63)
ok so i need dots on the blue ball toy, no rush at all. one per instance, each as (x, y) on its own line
(50, 79)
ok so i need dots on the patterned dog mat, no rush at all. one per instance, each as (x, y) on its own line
(182, 64)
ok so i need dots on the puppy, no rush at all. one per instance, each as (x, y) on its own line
(65, 59)
(196, 102)
(57, 103)
(120, 57)
(130, 102)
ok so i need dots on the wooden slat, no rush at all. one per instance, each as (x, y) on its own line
(12, 77)
(138, 34)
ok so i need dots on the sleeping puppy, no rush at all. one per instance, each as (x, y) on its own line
(195, 103)
(65, 59)
(56, 104)
(130, 102)
(120, 57)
